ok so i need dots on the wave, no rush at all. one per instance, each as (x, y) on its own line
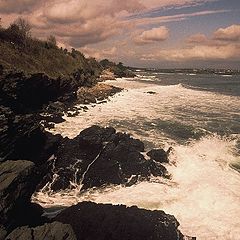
(202, 193)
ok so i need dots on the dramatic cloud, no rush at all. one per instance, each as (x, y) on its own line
(195, 53)
(231, 33)
(16, 6)
(153, 35)
(223, 45)
(96, 26)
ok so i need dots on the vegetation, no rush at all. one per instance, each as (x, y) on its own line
(20, 51)
(119, 69)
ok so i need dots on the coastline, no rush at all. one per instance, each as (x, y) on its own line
(39, 163)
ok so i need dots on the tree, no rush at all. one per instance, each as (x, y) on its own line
(51, 41)
(24, 27)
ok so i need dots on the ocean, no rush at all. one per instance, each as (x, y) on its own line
(198, 115)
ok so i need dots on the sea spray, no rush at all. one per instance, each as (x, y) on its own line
(203, 193)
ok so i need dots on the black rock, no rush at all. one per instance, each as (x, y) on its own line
(151, 92)
(98, 221)
(48, 231)
(18, 181)
(158, 155)
(22, 137)
(101, 156)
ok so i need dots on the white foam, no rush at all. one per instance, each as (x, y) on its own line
(203, 193)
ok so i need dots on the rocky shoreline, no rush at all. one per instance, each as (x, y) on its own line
(103, 155)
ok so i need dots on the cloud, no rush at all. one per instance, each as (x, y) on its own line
(80, 23)
(99, 53)
(152, 36)
(222, 45)
(83, 22)
(231, 33)
(175, 17)
(195, 53)
(198, 38)
(17, 6)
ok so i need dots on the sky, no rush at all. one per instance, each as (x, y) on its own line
(141, 33)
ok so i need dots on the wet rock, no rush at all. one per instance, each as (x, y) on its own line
(101, 156)
(158, 155)
(23, 137)
(98, 221)
(55, 230)
(3, 233)
(18, 181)
(25, 94)
(53, 112)
(85, 108)
(96, 135)
(151, 92)
(103, 101)
(99, 91)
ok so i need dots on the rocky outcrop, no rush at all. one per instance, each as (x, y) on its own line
(159, 155)
(18, 180)
(55, 230)
(98, 221)
(96, 93)
(22, 137)
(99, 156)
(24, 94)
(3, 233)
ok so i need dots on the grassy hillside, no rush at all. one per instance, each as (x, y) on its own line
(53, 62)
(19, 51)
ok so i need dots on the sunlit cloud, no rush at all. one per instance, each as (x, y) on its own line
(231, 33)
(195, 53)
(146, 27)
(152, 36)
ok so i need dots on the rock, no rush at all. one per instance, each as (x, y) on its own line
(95, 135)
(98, 221)
(25, 94)
(22, 137)
(151, 92)
(49, 231)
(158, 155)
(99, 156)
(99, 91)
(18, 181)
(3, 233)
(53, 112)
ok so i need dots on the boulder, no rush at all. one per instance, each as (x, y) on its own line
(158, 155)
(3, 233)
(49, 231)
(22, 137)
(26, 94)
(104, 221)
(151, 92)
(18, 180)
(99, 156)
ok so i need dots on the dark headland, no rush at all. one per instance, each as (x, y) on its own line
(39, 82)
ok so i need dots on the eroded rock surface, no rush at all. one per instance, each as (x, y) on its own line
(18, 180)
(102, 156)
(49, 231)
(93, 221)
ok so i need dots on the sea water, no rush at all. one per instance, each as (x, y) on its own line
(198, 115)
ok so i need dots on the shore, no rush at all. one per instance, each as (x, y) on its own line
(103, 157)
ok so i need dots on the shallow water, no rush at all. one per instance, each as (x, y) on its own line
(202, 126)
